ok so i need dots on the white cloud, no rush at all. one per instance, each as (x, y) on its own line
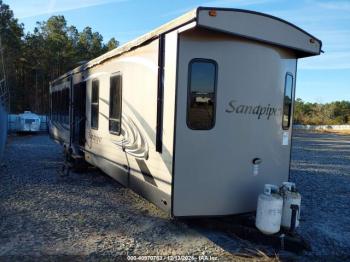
(31, 8)
(327, 61)
(177, 12)
(219, 3)
(328, 24)
(132, 32)
(235, 3)
(334, 39)
(310, 18)
(336, 5)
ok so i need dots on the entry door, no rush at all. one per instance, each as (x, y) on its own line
(79, 113)
(229, 138)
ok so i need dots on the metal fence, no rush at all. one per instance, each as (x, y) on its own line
(322, 127)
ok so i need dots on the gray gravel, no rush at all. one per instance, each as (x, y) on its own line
(321, 169)
(89, 216)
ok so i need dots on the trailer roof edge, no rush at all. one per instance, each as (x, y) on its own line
(188, 17)
(172, 25)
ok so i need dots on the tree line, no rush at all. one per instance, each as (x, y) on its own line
(334, 113)
(33, 59)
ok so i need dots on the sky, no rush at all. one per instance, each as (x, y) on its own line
(321, 79)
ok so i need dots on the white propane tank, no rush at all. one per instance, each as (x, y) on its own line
(291, 201)
(269, 210)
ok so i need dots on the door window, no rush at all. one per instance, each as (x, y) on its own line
(201, 94)
(288, 99)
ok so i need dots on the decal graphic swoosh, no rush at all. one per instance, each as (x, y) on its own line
(134, 142)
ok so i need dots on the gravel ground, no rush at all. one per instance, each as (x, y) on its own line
(90, 216)
(321, 170)
(85, 216)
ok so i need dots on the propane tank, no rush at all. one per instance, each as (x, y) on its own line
(291, 206)
(269, 210)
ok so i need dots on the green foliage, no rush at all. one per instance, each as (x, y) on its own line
(112, 44)
(11, 33)
(334, 113)
(34, 59)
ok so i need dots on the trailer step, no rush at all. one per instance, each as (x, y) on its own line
(73, 162)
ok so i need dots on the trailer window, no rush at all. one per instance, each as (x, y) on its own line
(66, 97)
(201, 94)
(60, 106)
(95, 103)
(288, 99)
(56, 105)
(53, 105)
(115, 101)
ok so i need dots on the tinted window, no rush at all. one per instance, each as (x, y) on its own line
(202, 94)
(53, 105)
(115, 104)
(67, 106)
(94, 104)
(288, 99)
(60, 106)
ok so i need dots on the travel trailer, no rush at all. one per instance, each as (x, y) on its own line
(195, 116)
(28, 122)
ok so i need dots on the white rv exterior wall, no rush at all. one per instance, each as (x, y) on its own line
(140, 105)
(139, 70)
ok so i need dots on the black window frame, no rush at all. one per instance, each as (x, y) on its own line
(60, 106)
(55, 96)
(95, 105)
(113, 132)
(205, 60)
(290, 112)
(53, 105)
(67, 105)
